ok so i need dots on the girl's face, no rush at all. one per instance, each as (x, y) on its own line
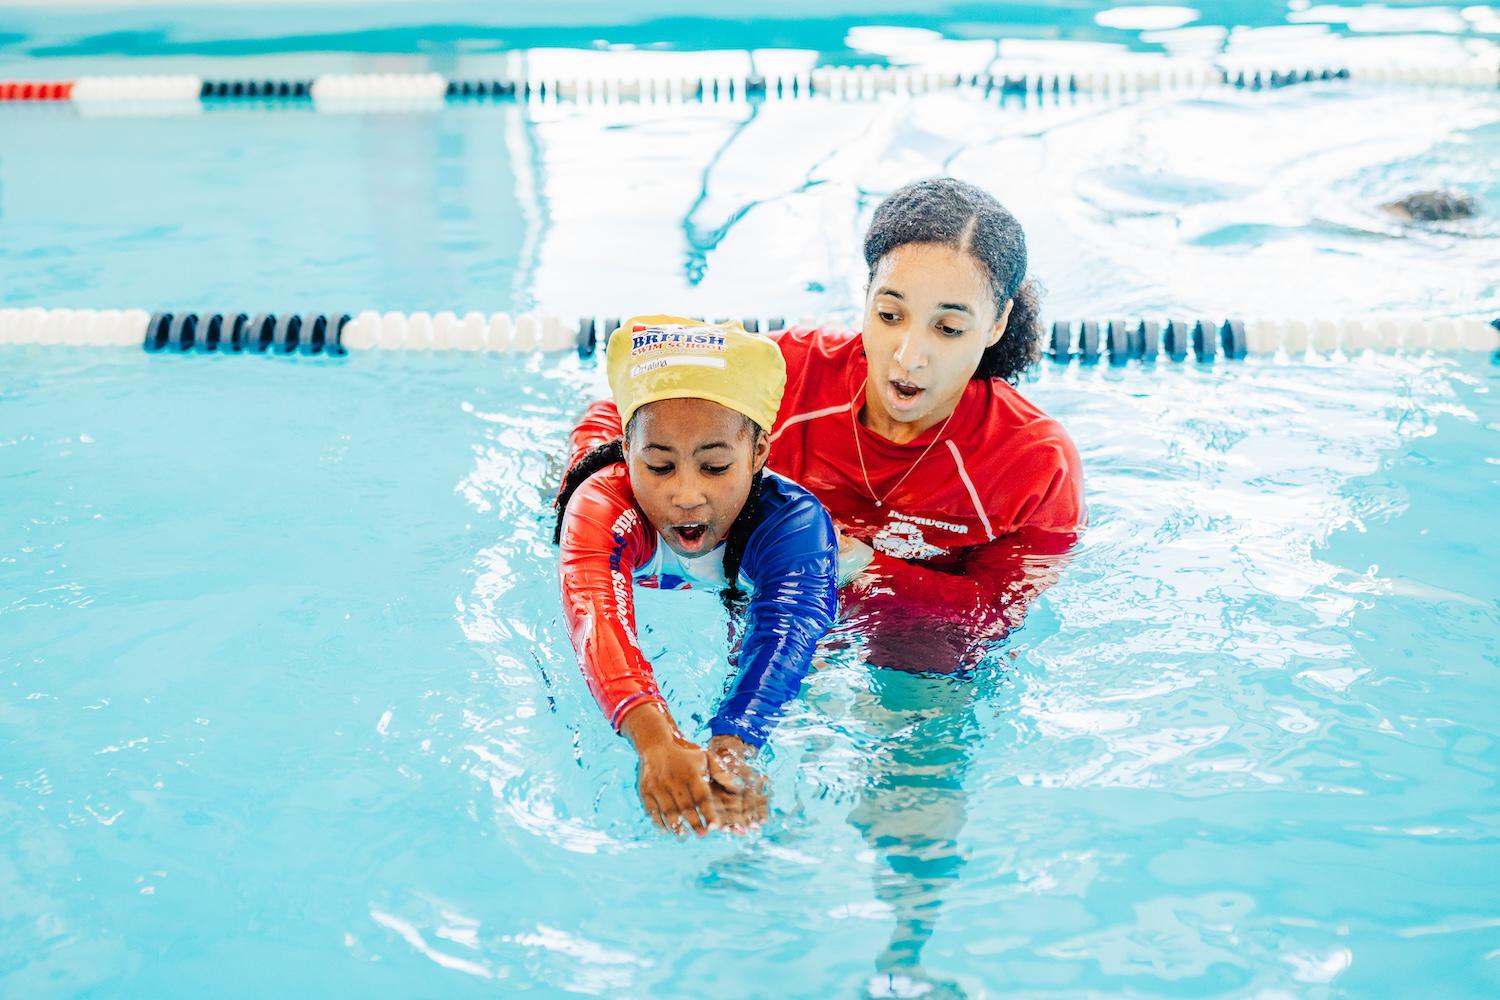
(691, 462)
(929, 315)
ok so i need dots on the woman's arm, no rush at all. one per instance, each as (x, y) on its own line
(599, 424)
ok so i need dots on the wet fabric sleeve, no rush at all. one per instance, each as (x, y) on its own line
(599, 423)
(604, 538)
(1052, 499)
(792, 563)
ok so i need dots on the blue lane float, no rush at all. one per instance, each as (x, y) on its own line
(1118, 341)
(235, 333)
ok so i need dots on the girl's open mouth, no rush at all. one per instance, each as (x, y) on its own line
(690, 535)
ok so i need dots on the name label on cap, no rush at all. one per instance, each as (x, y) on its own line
(675, 359)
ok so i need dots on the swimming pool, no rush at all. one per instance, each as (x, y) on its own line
(287, 702)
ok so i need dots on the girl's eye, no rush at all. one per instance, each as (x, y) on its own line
(888, 317)
(949, 331)
(717, 470)
(660, 470)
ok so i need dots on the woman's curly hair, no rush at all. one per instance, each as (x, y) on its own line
(952, 213)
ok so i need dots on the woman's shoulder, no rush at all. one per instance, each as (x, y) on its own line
(820, 364)
(813, 343)
(1023, 462)
(1004, 411)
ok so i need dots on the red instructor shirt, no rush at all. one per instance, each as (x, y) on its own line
(1001, 464)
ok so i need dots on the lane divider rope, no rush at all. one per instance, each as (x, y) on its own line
(25, 90)
(1115, 341)
(343, 91)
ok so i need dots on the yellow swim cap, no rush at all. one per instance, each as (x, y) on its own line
(669, 357)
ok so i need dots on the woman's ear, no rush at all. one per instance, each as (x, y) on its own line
(762, 449)
(1000, 321)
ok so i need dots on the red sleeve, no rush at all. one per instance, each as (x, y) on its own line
(599, 423)
(806, 376)
(1055, 500)
(604, 538)
(931, 617)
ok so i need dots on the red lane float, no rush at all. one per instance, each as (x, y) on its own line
(28, 90)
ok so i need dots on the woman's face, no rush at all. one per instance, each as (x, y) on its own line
(929, 315)
(691, 462)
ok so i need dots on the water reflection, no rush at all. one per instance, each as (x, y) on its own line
(911, 811)
(1216, 200)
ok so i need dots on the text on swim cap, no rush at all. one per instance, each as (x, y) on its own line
(653, 339)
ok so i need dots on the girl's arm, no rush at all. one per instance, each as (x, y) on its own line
(792, 562)
(604, 538)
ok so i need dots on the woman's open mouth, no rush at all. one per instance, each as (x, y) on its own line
(904, 393)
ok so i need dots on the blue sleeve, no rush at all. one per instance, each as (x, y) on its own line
(792, 562)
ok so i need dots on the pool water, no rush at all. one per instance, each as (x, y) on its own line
(286, 705)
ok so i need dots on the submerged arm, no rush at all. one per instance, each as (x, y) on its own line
(604, 538)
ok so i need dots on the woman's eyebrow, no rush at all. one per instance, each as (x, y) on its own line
(945, 306)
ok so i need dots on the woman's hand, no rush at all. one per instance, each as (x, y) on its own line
(674, 780)
(740, 791)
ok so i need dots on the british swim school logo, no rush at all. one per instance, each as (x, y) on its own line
(645, 340)
(658, 347)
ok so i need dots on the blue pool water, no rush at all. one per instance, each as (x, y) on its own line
(285, 702)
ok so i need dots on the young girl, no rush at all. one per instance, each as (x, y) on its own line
(680, 501)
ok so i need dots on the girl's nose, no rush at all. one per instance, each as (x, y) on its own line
(688, 494)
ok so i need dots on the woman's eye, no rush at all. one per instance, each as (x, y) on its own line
(660, 470)
(717, 470)
(888, 317)
(949, 331)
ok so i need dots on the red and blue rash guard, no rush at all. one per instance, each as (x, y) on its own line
(789, 567)
(974, 517)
